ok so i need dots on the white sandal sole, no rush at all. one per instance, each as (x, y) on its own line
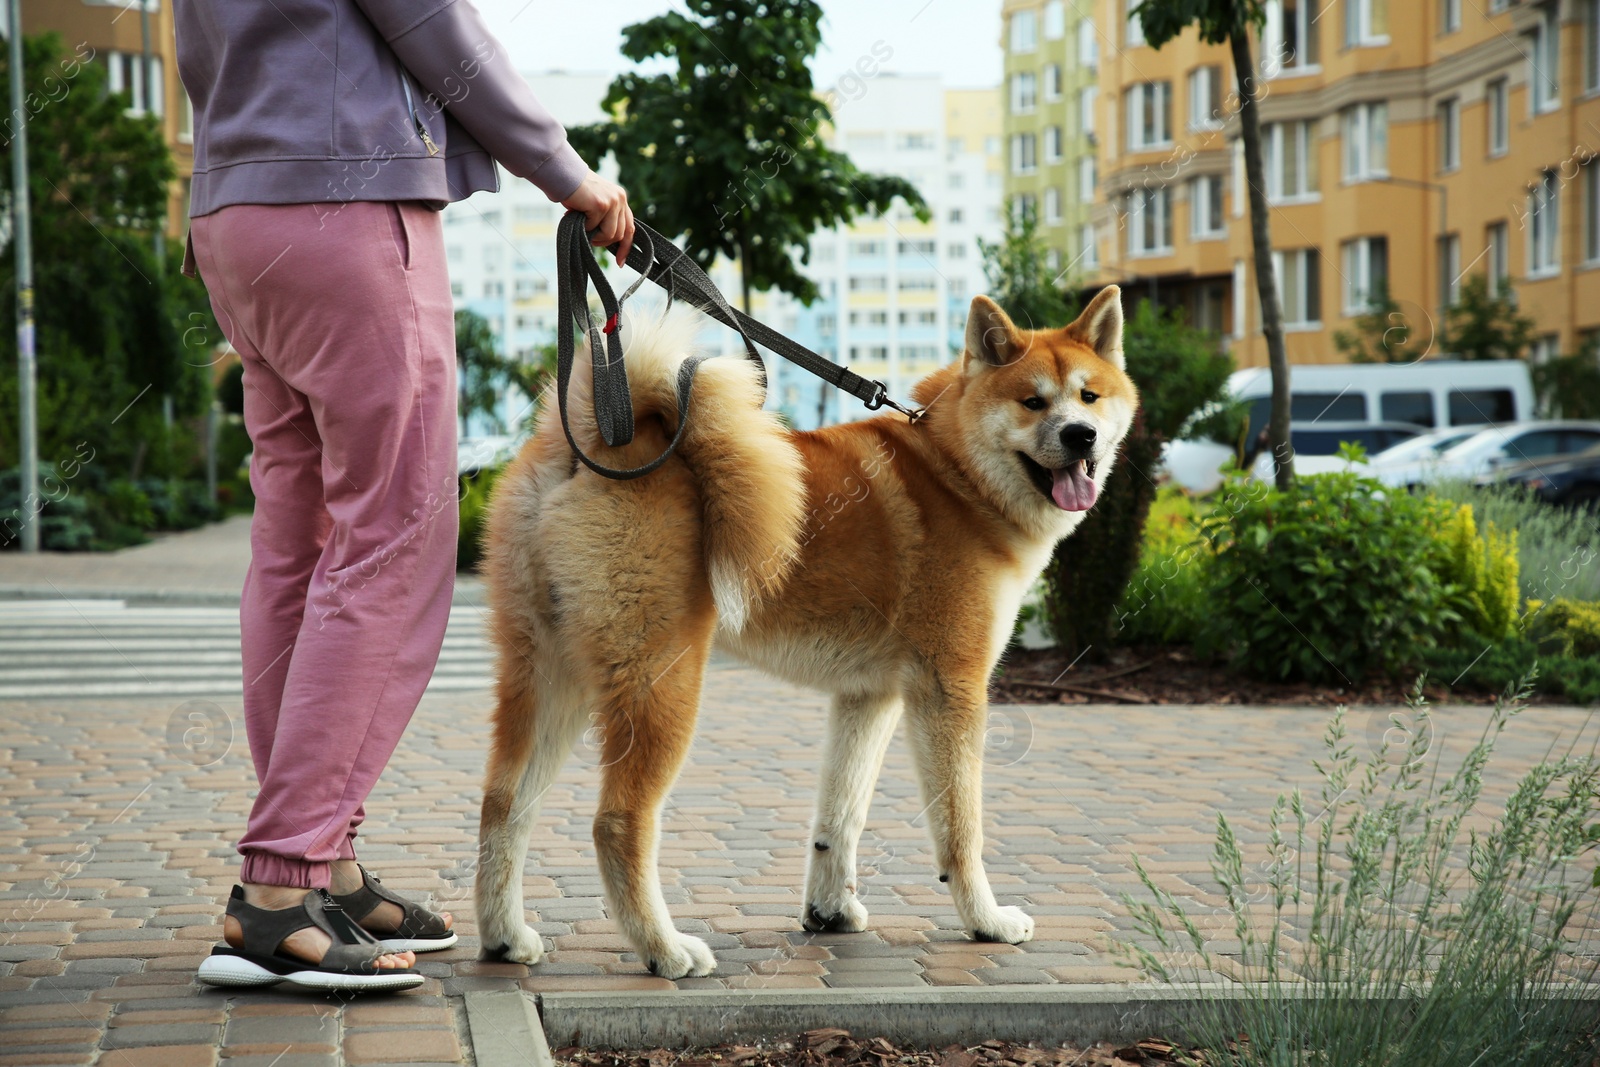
(234, 971)
(414, 944)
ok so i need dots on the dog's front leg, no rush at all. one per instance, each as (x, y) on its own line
(946, 721)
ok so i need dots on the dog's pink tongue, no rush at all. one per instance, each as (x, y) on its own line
(1074, 490)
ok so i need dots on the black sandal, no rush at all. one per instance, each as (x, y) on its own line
(350, 963)
(420, 930)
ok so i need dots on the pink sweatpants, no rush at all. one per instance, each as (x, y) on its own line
(342, 316)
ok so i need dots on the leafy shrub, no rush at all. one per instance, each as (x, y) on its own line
(476, 489)
(64, 524)
(1556, 548)
(1325, 581)
(1565, 627)
(1484, 573)
(1165, 599)
(1412, 939)
(1573, 679)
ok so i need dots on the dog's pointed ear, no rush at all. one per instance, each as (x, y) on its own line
(1100, 325)
(992, 339)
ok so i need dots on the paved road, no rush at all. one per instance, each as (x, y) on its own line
(118, 818)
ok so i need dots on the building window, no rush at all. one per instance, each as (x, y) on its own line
(1052, 82)
(1543, 218)
(924, 248)
(1290, 160)
(866, 248)
(1366, 142)
(1591, 45)
(1055, 20)
(955, 250)
(1449, 270)
(1149, 119)
(1591, 212)
(1205, 208)
(1449, 16)
(1088, 178)
(127, 77)
(1088, 45)
(1498, 105)
(1150, 221)
(1205, 98)
(918, 283)
(956, 215)
(1449, 134)
(1135, 24)
(1299, 287)
(1497, 256)
(1290, 36)
(1052, 144)
(868, 283)
(1366, 273)
(1544, 349)
(1052, 206)
(185, 118)
(1024, 32)
(1366, 23)
(1088, 99)
(1544, 71)
(1024, 92)
(1024, 153)
(1088, 246)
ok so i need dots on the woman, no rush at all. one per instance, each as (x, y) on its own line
(328, 134)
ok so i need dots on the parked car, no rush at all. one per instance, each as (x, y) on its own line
(1423, 447)
(1567, 481)
(1492, 449)
(1316, 444)
(1434, 394)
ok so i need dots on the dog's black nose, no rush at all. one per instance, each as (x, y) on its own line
(1077, 437)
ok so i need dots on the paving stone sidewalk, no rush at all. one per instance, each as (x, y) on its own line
(118, 817)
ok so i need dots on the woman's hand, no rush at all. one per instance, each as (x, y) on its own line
(606, 213)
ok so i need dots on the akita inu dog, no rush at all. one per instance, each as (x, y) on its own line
(880, 561)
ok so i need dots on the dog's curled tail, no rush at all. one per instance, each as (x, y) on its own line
(748, 469)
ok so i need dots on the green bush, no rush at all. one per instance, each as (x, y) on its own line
(1483, 571)
(1165, 599)
(1556, 548)
(476, 490)
(1326, 581)
(1386, 930)
(1572, 679)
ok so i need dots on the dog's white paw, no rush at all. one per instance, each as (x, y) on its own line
(683, 956)
(521, 944)
(844, 915)
(1008, 925)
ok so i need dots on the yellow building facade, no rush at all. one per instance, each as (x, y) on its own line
(1409, 144)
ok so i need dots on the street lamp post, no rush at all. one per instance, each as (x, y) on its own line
(22, 236)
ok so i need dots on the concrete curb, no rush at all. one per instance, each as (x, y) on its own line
(505, 1030)
(1061, 1015)
(1076, 1015)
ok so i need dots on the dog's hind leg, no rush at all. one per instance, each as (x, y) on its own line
(648, 729)
(859, 729)
(946, 719)
(538, 715)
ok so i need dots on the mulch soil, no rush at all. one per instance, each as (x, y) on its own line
(1165, 675)
(838, 1048)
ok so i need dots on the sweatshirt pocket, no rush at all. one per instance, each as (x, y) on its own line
(395, 213)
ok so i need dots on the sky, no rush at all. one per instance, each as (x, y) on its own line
(956, 39)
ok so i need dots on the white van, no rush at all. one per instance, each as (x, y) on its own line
(1430, 395)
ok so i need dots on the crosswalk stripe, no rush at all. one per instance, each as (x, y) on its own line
(61, 649)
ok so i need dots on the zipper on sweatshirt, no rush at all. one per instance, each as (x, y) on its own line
(416, 121)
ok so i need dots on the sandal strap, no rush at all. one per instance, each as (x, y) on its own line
(264, 930)
(416, 921)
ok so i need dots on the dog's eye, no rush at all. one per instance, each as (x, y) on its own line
(1035, 403)
(1090, 398)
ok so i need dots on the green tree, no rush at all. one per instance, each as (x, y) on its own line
(1484, 326)
(483, 374)
(1020, 281)
(1381, 335)
(1179, 370)
(117, 331)
(724, 150)
(1230, 22)
(1569, 385)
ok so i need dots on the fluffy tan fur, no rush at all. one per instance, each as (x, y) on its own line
(879, 561)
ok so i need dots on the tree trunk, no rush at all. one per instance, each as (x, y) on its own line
(1266, 278)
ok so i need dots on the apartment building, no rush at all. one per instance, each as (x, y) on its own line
(110, 32)
(895, 289)
(1052, 56)
(1409, 145)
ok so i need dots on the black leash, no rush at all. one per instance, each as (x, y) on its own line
(675, 271)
